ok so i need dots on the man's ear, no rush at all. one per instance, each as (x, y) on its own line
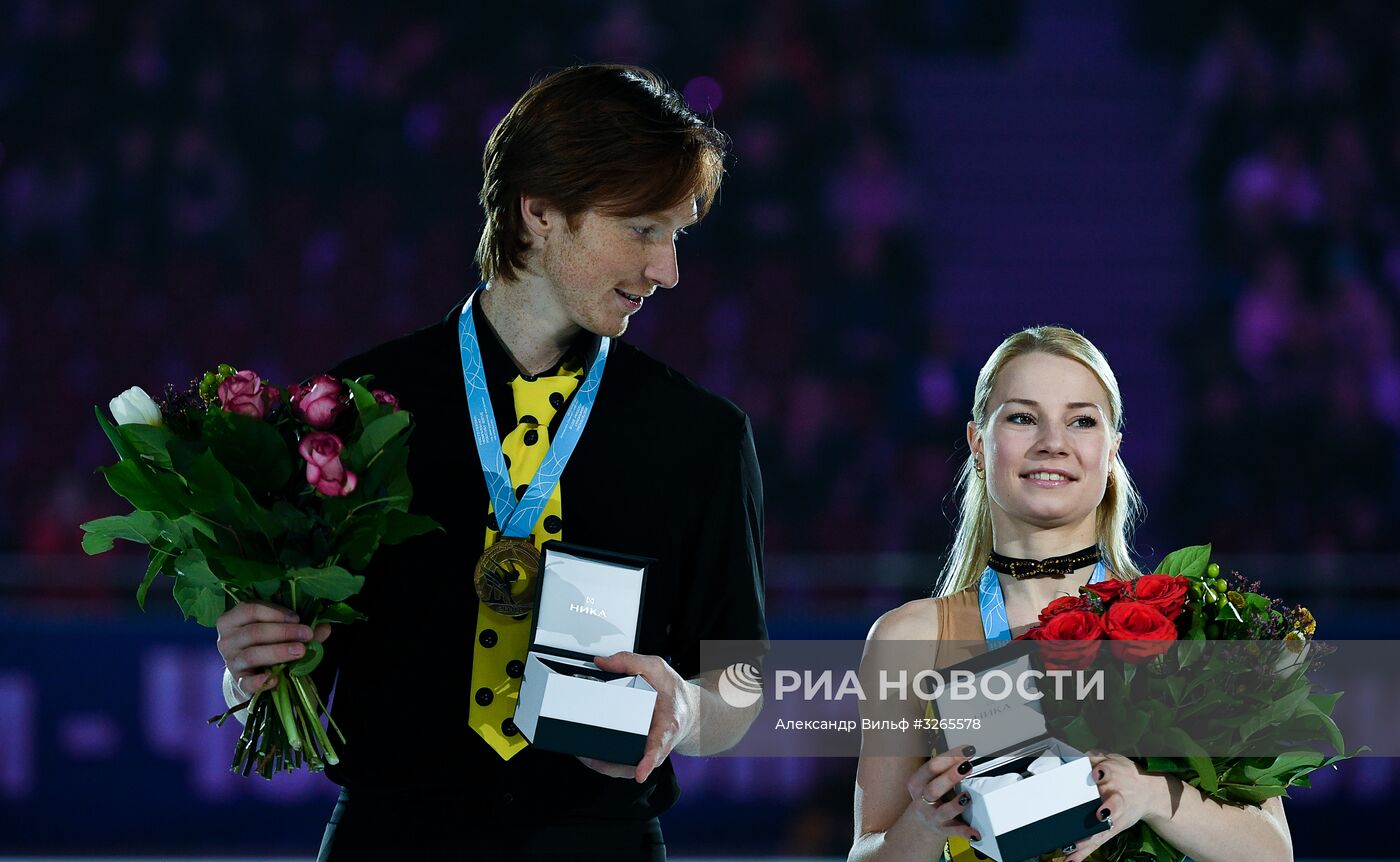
(537, 217)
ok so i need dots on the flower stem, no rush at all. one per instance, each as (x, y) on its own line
(395, 499)
(330, 719)
(313, 717)
(284, 710)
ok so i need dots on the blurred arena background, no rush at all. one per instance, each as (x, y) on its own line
(1211, 192)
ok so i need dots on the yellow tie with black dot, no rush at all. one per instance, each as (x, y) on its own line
(498, 656)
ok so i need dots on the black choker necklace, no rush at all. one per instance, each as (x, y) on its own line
(1054, 567)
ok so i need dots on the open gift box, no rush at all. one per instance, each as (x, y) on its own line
(588, 605)
(1030, 793)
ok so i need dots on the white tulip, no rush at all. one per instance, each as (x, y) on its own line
(135, 407)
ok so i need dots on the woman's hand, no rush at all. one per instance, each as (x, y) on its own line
(1128, 795)
(935, 798)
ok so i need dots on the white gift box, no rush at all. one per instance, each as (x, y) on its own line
(1029, 792)
(588, 605)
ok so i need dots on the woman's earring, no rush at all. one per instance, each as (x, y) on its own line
(977, 466)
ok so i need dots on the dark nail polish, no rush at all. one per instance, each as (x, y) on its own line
(969, 750)
(964, 799)
(1104, 814)
(965, 767)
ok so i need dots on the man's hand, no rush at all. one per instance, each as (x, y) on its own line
(672, 721)
(256, 635)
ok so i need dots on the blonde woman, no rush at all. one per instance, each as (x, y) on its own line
(1047, 506)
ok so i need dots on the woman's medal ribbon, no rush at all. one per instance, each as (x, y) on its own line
(505, 572)
(992, 603)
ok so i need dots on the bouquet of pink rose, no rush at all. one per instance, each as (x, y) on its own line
(244, 491)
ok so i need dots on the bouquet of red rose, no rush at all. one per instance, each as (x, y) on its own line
(244, 491)
(1241, 719)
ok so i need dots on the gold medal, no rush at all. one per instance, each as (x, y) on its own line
(505, 576)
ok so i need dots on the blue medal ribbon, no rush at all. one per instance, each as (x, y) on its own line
(516, 519)
(992, 603)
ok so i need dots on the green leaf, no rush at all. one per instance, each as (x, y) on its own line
(1284, 707)
(249, 512)
(97, 543)
(143, 527)
(1138, 843)
(1293, 763)
(159, 559)
(243, 571)
(1249, 794)
(1325, 702)
(211, 486)
(375, 437)
(198, 591)
(365, 405)
(1180, 741)
(1133, 727)
(1205, 769)
(149, 441)
(294, 519)
(144, 489)
(1323, 722)
(1168, 765)
(1229, 614)
(307, 663)
(1190, 562)
(331, 582)
(337, 613)
(251, 449)
(124, 450)
(217, 492)
(188, 526)
(400, 526)
(389, 471)
(360, 542)
(1188, 652)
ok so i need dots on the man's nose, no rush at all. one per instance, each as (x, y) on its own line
(663, 269)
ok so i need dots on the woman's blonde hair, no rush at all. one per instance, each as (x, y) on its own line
(1118, 511)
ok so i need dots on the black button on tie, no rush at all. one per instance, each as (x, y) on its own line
(532, 437)
(556, 400)
(507, 798)
(491, 522)
(520, 491)
(552, 524)
(487, 638)
(509, 729)
(515, 669)
(529, 419)
(484, 696)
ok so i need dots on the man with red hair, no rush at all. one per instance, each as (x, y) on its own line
(588, 182)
